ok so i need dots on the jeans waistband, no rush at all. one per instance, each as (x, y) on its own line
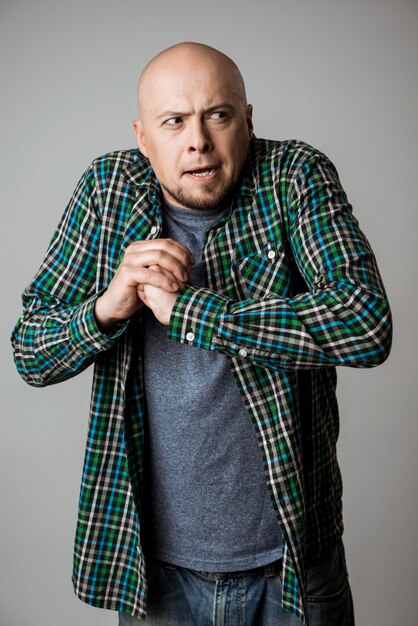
(269, 570)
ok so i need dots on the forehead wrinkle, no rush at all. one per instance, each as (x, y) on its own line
(186, 112)
(190, 97)
(183, 61)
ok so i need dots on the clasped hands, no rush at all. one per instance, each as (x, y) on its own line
(151, 273)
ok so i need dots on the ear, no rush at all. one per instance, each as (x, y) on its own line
(249, 118)
(140, 136)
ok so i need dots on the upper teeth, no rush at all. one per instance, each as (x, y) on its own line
(204, 173)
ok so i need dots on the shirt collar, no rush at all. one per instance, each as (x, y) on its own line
(141, 174)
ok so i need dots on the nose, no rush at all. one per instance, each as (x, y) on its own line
(199, 140)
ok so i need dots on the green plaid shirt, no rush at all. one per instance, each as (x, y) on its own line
(292, 291)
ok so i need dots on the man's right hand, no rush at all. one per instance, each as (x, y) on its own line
(171, 265)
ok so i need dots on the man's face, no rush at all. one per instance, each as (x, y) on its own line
(195, 129)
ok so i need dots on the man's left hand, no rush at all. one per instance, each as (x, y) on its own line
(159, 301)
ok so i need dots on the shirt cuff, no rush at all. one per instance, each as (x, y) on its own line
(195, 318)
(85, 332)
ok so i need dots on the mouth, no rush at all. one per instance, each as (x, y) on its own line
(202, 172)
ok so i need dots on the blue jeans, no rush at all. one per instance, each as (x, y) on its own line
(183, 597)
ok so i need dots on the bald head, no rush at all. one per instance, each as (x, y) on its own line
(180, 63)
(194, 124)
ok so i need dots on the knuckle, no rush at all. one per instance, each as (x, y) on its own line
(159, 255)
(185, 258)
(123, 269)
(131, 249)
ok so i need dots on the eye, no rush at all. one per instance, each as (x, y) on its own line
(218, 115)
(173, 121)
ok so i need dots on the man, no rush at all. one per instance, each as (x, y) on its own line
(215, 280)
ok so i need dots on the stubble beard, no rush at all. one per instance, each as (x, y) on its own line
(211, 199)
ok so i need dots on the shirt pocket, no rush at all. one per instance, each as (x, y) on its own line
(264, 272)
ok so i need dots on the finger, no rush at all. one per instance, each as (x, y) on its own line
(175, 248)
(165, 243)
(158, 268)
(157, 278)
(129, 276)
(141, 294)
(141, 288)
(179, 267)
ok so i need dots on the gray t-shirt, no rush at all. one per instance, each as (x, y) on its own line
(206, 504)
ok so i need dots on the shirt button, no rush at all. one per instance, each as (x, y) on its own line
(242, 352)
(271, 254)
(190, 336)
(153, 230)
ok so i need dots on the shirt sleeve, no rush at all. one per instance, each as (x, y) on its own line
(57, 336)
(341, 317)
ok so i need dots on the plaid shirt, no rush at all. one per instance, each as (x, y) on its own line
(292, 291)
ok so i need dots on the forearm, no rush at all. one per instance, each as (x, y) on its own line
(344, 325)
(53, 341)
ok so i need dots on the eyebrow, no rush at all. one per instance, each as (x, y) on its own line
(222, 105)
(170, 114)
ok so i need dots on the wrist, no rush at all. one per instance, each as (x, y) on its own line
(105, 319)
